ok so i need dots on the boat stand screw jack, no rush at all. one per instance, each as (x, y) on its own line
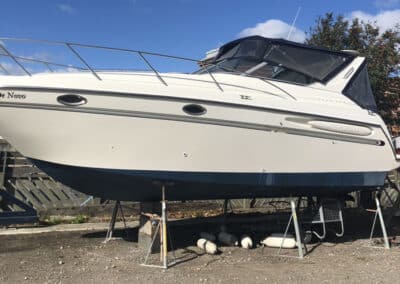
(162, 230)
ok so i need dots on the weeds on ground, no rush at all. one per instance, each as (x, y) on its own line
(57, 220)
(80, 219)
(53, 221)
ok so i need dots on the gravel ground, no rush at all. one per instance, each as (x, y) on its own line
(77, 257)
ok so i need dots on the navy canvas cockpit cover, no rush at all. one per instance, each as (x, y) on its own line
(317, 63)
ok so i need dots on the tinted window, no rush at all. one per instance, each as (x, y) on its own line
(302, 63)
(359, 90)
(310, 62)
(268, 71)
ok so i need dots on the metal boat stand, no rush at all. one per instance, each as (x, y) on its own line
(163, 232)
(111, 226)
(301, 247)
(378, 213)
(227, 205)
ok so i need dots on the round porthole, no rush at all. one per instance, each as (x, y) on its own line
(194, 109)
(71, 100)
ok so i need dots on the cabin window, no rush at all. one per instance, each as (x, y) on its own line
(359, 90)
(278, 59)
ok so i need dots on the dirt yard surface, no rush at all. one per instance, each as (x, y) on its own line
(79, 257)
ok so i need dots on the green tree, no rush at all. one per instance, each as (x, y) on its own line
(381, 48)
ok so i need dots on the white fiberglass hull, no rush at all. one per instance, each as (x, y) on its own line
(117, 144)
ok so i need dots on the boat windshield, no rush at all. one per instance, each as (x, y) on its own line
(278, 59)
(256, 68)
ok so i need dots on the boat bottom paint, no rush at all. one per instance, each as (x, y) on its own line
(136, 185)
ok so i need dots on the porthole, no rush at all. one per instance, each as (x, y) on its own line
(71, 100)
(194, 109)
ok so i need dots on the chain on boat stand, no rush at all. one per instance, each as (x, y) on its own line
(162, 230)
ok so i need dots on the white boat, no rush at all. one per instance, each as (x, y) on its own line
(267, 117)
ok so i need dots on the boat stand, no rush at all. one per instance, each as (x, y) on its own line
(227, 207)
(111, 226)
(299, 243)
(378, 213)
(163, 232)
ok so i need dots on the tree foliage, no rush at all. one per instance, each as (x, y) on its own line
(381, 48)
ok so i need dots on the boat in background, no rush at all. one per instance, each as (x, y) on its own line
(264, 118)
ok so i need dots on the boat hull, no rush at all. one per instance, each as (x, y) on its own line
(116, 146)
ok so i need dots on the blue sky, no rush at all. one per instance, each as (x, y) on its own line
(180, 27)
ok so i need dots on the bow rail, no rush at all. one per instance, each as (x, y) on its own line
(72, 47)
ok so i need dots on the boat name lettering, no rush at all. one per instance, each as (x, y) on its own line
(11, 95)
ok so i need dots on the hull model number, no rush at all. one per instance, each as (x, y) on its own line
(244, 97)
(12, 95)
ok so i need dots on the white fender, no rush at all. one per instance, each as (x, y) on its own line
(275, 240)
(246, 242)
(208, 246)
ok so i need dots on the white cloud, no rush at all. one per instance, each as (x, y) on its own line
(66, 8)
(275, 29)
(45, 56)
(386, 3)
(65, 70)
(12, 69)
(29, 63)
(3, 69)
(384, 19)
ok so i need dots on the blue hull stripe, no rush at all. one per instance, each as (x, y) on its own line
(139, 185)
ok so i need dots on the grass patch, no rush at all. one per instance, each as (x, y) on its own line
(53, 221)
(80, 219)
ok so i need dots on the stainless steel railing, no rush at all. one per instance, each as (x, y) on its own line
(72, 47)
(143, 55)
